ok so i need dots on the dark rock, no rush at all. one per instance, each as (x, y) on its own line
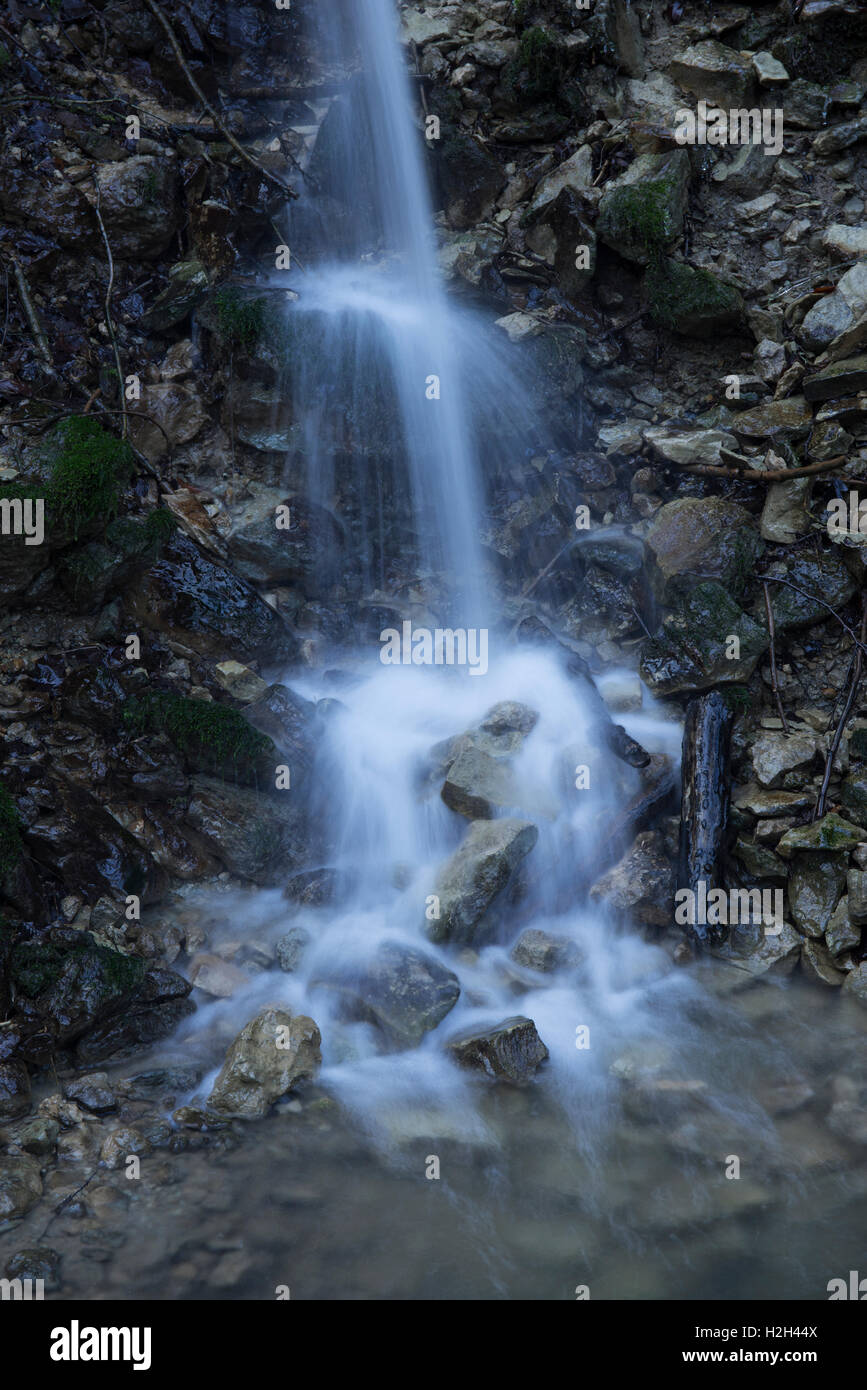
(92, 1092)
(477, 873)
(508, 1051)
(139, 205)
(38, 1262)
(544, 951)
(193, 600)
(257, 836)
(404, 992)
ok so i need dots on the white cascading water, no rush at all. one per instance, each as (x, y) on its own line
(391, 835)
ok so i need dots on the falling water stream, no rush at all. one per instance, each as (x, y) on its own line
(610, 1169)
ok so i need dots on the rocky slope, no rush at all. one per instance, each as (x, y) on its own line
(690, 316)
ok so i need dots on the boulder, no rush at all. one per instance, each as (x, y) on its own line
(691, 651)
(139, 205)
(715, 72)
(709, 537)
(405, 993)
(475, 876)
(544, 951)
(193, 600)
(256, 835)
(775, 753)
(270, 1055)
(509, 1051)
(816, 884)
(644, 208)
(641, 884)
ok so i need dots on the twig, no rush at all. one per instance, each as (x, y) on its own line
(761, 475)
(30, 311)
(857, 666)
(108, 318)
(774, 682)
(158, 14)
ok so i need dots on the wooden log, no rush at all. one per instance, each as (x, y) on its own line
(704, 804)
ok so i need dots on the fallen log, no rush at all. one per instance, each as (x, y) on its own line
(704, 805)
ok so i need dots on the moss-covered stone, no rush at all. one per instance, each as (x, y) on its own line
(693, 650)
(89, 467)
(830, 833)
(692, 301)
(241, 321)
(213, 738)
(643, 212)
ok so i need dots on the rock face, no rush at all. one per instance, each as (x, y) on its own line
(270, 1055)
(509, 1051)
(475, 876)
(404, 992)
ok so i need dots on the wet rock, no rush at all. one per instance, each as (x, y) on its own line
(291, 947)
(403, 992)
(292, 723)
(93, 1093)
(71, 981)
(509, 1051)
(816, 883)
(646, 206)
(853, 797)
(61, 212)
(556, 232)
(270, 1055)
(217, 977)
(478, 786)
(816, 581)
(748, 174)
(759, 953)
(692, 300)
(825, 322)
(544, 951)
(574, 173)
(856, 888)
(14, 1090)
(468, 179)
(257, 836)
(477, 873)
(690, 446)
(139, 205)
(37, 1262)
(775, 753)
(818, 964)
(831, 833)
(760, 801)
(807, 106)
(691, 652)
(641, 885)
(840, 137)
(840, 379)
(784, 515)
(37, 1135)
(174, 415)
(154, 1013)
(789, 419)
(199, 603)
(308, 552)
(188, 287)
(240, 682)
(20, 1185)
(711, 537)
(841, 935)
(715, 72)
(615, 29)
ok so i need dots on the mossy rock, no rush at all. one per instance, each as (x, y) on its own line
(211, 737)
(89, 468)
(832, 832)
(692, 650)
(643, 212)
(690, 300)
(71, 983)
(102, 566)
(819, 581)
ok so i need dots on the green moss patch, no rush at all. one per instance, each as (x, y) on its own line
(89, 467)
(688, 299)
(241, 321)
(210, 736)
